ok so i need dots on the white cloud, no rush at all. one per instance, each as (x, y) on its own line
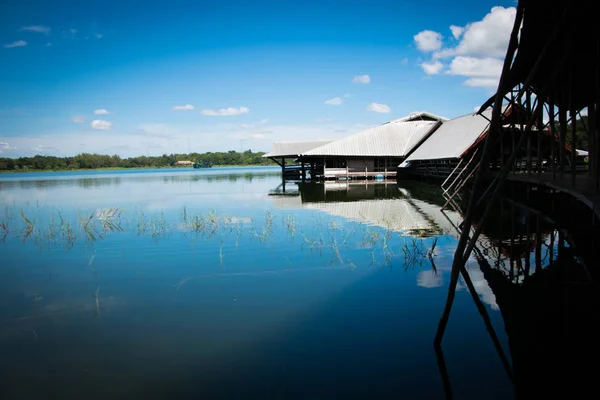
(254, 125)
(486, 38)
(5, 146)
(45, 149)
(101, 124)
(479, 54)
(457, 31)
(364, 79)
(224, 112)
(258, 136)
(476, 67)
(427, 41)
(158, 130)
(36, 28)
(432, 68)
(486, 83)
(18, 43)
(187, 107)
(78, 119)
(378, 108)
(102, 111)
(336, 101)
(404, 61)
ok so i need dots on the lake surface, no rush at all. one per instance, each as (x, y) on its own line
(217, 283)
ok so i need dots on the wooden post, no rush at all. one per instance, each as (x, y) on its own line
(540, 136)
(303, 170)
(562, 120)
(528, 106)
(553, 141)
(512, 125)
(365, 172)
(347, 169)
(385, 160)
(538, 244)
(573, 144)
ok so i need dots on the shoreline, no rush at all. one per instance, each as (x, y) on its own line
(125, 169)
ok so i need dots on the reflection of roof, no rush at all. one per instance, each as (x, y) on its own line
(394, 214)
(393, 139)
(294, 149)
(453, 138)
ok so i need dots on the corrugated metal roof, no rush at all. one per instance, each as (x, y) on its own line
(394, 139)
(452, 138)
(421, 115)
(294, 149)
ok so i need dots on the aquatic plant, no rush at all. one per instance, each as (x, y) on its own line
(29, 227)
(96, 297)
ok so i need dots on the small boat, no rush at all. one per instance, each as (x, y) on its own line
(203, 164)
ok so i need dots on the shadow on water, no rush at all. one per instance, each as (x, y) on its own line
(538, 255)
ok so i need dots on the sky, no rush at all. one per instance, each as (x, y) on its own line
(153, 77)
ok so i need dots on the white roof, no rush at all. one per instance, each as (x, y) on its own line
(294, 149)
(421, 115)
(453, 138)
(393, 139)
(581, 152)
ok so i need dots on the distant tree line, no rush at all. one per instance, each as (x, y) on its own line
(93, 161)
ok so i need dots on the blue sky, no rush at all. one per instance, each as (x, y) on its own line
(154, 77)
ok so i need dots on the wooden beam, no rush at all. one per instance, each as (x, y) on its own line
(540, 127)
(562, 121)
(528, 151)
(553, 142)
(503, 85)
(573, 144)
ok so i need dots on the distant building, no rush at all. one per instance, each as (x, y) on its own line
(185, 163)
(375, 152)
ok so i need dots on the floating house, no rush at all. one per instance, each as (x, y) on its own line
(184, 163)
(373, 153)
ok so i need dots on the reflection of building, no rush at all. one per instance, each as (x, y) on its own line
(381, 204)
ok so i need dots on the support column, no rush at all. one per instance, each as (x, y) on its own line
(553, 141)
(528, 106)
(562, 121)
(303, 170)
(573, 144)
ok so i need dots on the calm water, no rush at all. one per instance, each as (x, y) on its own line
(216, 284)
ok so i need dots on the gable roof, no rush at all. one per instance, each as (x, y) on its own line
(393, 139)
(294, 149)
(422, 116)
(453, 138)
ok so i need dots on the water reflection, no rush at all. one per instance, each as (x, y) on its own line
(535, 258)
(242, 294)
(530, 263)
